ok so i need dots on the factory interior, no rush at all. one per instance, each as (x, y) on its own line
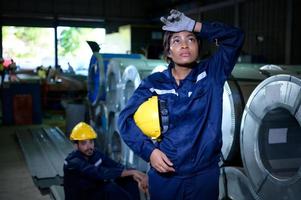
(70, 61)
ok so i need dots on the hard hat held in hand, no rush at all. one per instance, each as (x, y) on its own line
(82, 131)
(147, 118)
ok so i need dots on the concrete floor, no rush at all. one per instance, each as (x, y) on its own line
(15, 179)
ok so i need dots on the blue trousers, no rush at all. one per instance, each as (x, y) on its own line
(122, 189)
(202, 186)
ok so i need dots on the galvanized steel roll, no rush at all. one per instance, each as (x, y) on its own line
(118, 150)
(100, 125)
(132, 77)
(235, 185)
(237, 89)
(119, 72)
(124, 76)
(97, 79)
(97, 74)
(232, 111)
(271, 138)
(114, 85)
(130, 81)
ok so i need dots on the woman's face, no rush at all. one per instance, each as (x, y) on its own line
(184, 48)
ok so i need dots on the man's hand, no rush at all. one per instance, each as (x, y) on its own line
(138, 176)
(177, 21)
(142, 180)
(160, 162)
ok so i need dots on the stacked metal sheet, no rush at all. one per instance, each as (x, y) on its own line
(45, 150)
(57, 192)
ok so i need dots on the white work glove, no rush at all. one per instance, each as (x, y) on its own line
(177, 21)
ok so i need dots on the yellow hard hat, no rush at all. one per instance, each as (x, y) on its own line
(82, 131)
(147, 118)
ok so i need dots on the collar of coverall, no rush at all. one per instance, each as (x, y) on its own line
(192, 76)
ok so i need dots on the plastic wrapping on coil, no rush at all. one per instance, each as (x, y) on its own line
(272, 70)
(271, 138)
(235, 185)
(96, 79)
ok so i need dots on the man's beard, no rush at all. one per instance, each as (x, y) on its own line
(89, 152)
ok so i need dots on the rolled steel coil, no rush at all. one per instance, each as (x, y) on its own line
(114, 85)
(237, 89)
(271, 138)
(124, 76)
(126, 73)
(235, 185)
(97, 79)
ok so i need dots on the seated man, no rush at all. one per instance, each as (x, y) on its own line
(88, 174)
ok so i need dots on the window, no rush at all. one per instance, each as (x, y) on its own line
(29, 47)
(73, 49)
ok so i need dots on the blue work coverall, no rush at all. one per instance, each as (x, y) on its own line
(193, 140)
(92, 178)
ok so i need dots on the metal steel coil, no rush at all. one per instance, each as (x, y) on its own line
(235, 185)
(270, 138)
(123, 77)
(237, 89)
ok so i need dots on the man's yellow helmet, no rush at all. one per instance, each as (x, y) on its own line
(147, 118)
(82, 131)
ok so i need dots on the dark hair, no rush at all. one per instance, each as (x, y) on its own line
(166, 45)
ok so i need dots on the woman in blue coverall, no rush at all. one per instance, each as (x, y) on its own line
(184, 163)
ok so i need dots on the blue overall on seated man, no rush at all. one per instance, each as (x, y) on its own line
(89, 174)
